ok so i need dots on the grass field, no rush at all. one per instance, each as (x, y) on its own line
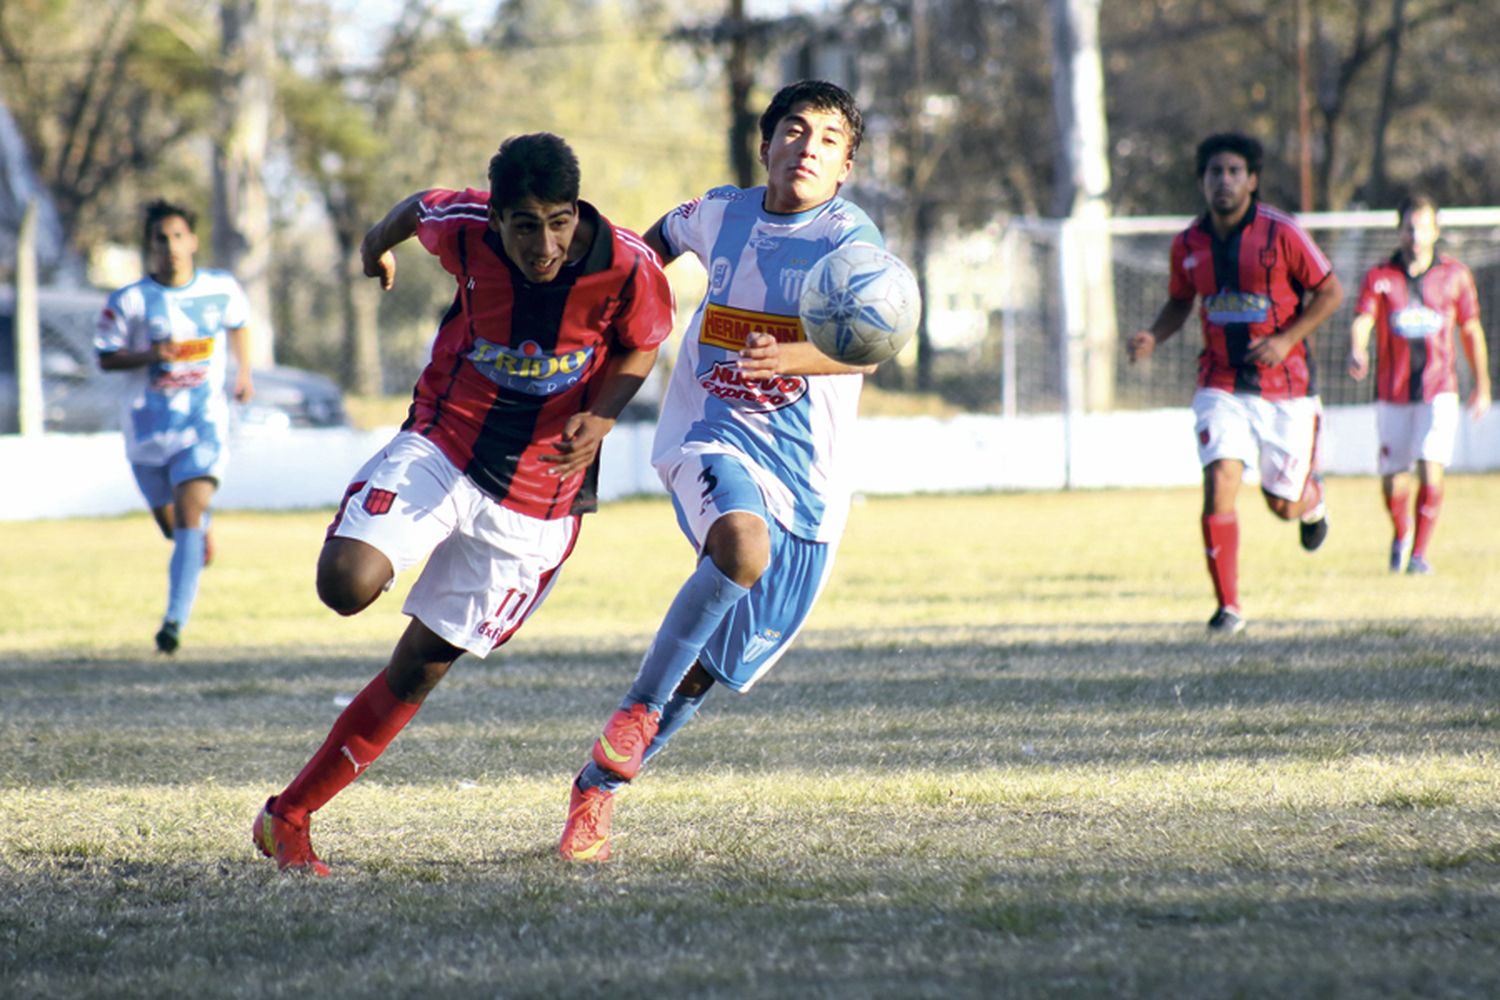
(1004, 760)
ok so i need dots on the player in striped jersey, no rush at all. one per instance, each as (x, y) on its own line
(1263, 287)
(1414, 302)
(555, 321)
(171, 333)
(750, 439)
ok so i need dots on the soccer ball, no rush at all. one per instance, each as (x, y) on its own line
(860, 304)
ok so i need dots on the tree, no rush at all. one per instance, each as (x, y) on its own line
(244, 100)
(107, 95)
(1377, 70)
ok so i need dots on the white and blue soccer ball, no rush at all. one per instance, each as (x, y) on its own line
(860, 304)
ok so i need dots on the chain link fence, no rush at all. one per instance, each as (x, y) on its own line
(996, 314)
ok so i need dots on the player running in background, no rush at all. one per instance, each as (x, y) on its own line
(749, 442)
(1414, 301)
(168, 333)
(1264, 288)
(554, 324)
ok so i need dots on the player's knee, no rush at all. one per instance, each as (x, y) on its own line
(740, 549)
(1282, 507)
(350, 577)
(743, 567)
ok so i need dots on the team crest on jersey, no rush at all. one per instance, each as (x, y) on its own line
(727, 327)
(791, 283)
(379, 502)
(1230, 305)
(528, 368)
(724, 381)
(1417, 322)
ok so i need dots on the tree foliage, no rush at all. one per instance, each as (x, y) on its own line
(1177, 70)
(109, 95)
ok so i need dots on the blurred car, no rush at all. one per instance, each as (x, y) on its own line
(79, 398)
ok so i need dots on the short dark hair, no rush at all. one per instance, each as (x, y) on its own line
(1241, 145)
(1413, 201)
(537, 165)
(161, 209)
(820, 95)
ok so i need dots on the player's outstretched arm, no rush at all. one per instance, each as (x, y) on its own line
(1479, 363)
(399, 225)
(239, 343)
(1174, 313)
(584, 432)
(116, 361)
(1359, 345)
(657, 242)
(764, 357)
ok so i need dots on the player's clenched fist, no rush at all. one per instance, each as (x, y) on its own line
(1140, 345)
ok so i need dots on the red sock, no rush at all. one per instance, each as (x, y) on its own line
(1399, 504)
(1429, 502)
(1221, 542)
(362, 731)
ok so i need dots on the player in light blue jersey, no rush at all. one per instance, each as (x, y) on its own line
(170, 333)
(749, 442)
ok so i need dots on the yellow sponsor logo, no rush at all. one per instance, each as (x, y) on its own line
(727, 327)
(193, 350)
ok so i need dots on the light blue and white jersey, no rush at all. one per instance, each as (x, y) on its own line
(786, 429)
(174, 404)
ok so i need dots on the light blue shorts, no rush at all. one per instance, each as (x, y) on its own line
(760, 628)
(158, 483)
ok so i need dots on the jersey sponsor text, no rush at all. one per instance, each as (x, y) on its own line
(727, 327)
(528, 368)
(726, 382)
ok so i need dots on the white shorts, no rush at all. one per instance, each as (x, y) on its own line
(1416, 432)
(1279, 439)
(490, 567)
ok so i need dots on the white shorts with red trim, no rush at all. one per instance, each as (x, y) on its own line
(1278, 438)
(1416, 432)
(488, 567)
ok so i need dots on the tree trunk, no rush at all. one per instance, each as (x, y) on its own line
(744, 141)
(1376, 191)
(360, 298)
(1091, 335)
(241, 210)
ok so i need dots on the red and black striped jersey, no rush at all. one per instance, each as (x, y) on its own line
(1250, 286)
(1417, 318)
(514, 359)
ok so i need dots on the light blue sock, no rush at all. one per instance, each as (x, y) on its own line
(679, 709)
(696, 611)
(182, 573)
